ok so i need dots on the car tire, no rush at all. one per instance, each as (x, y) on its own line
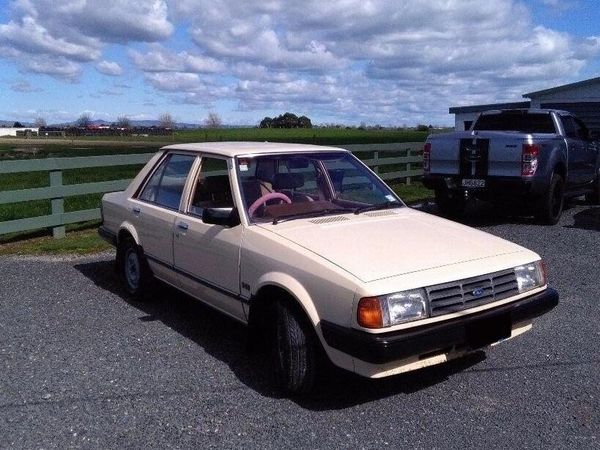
(294, 350)
(449, 203)
(551, 205)
(134, 270)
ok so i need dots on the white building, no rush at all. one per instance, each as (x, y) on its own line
(13, 131)
(581, 98)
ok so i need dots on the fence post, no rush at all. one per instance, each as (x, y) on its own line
(58, 204)
(376, 162)
(408, 153)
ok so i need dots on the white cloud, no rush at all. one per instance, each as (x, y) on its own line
(24, 86)
(58, 67)
(110, 68)
(160, 59)
(78, 30)
(372, 60)
(32, 38)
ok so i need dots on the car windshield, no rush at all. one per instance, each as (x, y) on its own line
(283, 187)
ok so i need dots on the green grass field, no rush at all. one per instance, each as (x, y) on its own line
(79, 239)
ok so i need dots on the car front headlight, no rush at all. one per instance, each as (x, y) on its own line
(530, 276)
(392, 309)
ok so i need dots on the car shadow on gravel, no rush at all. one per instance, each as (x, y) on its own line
(588, 219)
(484, 214)
(227, 340)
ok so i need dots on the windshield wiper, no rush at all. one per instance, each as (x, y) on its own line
(322, 212)
(384, 205)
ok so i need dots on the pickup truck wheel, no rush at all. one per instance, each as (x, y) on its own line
(294, 350)
(133, 269)
(451, 204)
(551, 204)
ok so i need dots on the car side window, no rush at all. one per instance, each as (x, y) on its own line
(582, 130)
(569, 126)
(165, 186)
(212, 188)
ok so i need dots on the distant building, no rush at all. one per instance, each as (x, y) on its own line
(581, 98)
(26, 131)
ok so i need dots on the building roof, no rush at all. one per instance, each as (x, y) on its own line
(231, 149)
(479, 108)
(564, 87)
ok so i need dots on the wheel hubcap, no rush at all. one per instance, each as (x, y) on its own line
(132, 269)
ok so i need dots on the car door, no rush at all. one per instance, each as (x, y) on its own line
(207, 255)
(154, 209)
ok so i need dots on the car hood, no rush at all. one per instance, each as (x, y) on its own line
(382, 244)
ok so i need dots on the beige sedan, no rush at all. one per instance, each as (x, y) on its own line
(320, 258)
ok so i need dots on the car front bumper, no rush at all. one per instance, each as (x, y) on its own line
(471, 332)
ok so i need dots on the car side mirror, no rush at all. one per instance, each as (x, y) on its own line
(226, 217)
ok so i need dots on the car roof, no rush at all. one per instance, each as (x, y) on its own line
(231, 149)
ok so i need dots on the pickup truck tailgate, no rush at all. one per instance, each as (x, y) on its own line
(480, 155)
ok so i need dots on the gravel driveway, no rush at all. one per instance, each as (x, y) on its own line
(81, 366)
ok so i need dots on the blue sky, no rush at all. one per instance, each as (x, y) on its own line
(352, 61)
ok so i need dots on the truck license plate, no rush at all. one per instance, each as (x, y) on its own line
(473, 183)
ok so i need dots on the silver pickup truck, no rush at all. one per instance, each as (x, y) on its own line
(536, 156)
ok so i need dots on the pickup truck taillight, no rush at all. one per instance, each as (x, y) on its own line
(426, 157)
(529, 159)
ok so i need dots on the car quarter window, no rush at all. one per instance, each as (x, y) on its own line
(212, 188)
(166, 184)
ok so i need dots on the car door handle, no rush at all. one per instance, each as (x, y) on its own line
(136, 210)
(182, 225)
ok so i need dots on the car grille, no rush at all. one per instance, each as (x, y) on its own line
(471, 292)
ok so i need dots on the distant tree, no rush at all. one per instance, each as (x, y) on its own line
(166, 120)
(17, 125)
(267, 122)
(421, 127)
(213, 121)
(123, 122)
(287, 120)
(304, 122)
(40, 122)
(85, 119)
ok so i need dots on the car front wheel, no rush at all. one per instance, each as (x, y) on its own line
(294, 350)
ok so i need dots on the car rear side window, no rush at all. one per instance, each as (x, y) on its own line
(165, 186)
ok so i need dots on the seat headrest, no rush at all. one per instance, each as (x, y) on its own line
(288, 180)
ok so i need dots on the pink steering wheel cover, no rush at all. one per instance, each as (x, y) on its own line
(265, 198)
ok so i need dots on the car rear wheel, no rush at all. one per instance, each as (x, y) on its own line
(551, 204)
(294, 350)
(134, 270)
